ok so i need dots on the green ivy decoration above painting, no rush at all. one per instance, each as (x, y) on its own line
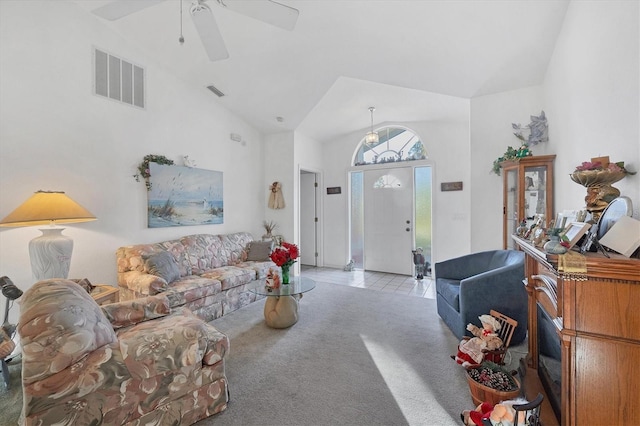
(143, 168)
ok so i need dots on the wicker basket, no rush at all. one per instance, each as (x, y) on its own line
(481, 393)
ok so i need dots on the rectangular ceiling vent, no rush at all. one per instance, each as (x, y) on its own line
(118, 79)
(215, 90)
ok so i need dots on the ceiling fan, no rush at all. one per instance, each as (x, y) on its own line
(267, 11)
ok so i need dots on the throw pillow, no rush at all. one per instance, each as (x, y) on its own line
(259, 251)
(163, 265)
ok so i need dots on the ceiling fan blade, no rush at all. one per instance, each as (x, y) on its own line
(209, 32)
(267, 11)
(120, 8)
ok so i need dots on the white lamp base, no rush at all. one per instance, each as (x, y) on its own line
(50, 254)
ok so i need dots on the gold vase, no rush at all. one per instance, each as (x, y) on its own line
(599, 190)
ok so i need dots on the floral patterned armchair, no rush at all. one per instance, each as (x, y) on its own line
(135, 362)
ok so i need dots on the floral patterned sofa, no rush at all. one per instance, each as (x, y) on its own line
(127, 363)
(209, 274)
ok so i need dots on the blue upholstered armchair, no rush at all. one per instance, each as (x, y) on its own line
(472, 285)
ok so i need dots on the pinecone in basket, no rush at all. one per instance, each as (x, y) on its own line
(497, 380)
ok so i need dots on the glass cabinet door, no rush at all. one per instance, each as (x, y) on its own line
(535, 184)
(512, 206)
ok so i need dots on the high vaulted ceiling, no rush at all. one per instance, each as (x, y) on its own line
(412, 60)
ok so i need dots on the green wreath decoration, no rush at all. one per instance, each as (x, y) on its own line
(143, 168)
(510, 154)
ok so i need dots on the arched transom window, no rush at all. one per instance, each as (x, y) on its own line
(395, 144)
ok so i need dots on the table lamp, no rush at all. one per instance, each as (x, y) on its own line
(50, 253)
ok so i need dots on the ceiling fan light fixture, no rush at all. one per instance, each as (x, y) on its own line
(268, 11)
(371, 138)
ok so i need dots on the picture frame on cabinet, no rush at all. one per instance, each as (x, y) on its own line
(574, 232)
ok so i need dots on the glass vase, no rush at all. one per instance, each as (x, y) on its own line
(285, 274)
(553, 246)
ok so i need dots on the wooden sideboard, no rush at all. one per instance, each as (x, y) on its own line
(597, 321)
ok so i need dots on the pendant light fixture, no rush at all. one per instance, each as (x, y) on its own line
(371, 138)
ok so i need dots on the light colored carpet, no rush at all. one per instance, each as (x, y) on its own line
(355, 357)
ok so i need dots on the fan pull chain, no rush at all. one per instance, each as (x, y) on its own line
(181, 39)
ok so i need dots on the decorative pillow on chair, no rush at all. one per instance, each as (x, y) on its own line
(259, 250)
(163, 265)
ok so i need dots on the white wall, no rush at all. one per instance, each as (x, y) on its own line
(491, 134)
(278, 161)
(286, 154)
(55, 134)
(308, 156)
(447, 145)
(591, 92)
(591, 99)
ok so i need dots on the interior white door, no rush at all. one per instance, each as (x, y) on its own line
(308, 223)
(388, 220)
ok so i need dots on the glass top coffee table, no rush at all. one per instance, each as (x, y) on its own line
(281, 306)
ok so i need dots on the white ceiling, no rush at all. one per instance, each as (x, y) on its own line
(412, 60)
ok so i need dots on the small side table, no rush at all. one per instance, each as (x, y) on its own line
(104, 293)
(281, 306)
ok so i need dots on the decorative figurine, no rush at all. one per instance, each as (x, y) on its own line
(420, 263)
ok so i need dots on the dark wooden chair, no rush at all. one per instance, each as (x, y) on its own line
(529, 412)
(526, 414)
(507, 327)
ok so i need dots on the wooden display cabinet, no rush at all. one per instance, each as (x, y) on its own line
(593, 321)
(527, 192)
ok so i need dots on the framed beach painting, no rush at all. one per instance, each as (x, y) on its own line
(183, 196)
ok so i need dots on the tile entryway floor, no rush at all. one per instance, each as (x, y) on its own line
(378, 281)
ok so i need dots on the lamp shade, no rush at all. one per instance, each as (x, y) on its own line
(50, 253)
(45, 207)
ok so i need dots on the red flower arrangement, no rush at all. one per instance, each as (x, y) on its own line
(285, 255)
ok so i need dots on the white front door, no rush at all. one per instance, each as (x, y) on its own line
(388, 220)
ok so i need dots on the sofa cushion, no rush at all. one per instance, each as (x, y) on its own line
(231, 276)
(204, 252)
(178, 341)
(235, 246)
(123, 314)
(193, 287)
(261, 268)
(163, 265)
(450, 291)
(259, 251)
